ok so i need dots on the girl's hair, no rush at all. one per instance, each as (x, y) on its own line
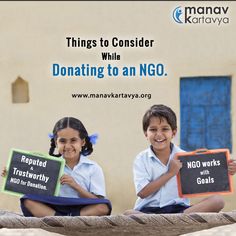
(71, 122)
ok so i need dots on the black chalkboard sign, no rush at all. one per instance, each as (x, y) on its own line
(204, 172)
(33, 173)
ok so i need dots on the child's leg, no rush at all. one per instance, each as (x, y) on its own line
(210, 204)
(38, 209)
(94, 210)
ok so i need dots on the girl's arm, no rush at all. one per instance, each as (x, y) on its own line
(4, 172)
(67, 179)
(155, 185)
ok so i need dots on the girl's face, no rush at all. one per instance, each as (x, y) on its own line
(69, 143)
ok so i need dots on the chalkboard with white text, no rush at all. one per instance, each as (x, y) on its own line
(204, 172)
(33, 173)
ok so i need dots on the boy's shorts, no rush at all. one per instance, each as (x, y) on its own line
(164, 210)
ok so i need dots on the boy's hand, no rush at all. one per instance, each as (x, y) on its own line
(175, 166)
(4, 172)
(232, 166)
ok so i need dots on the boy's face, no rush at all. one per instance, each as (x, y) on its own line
(159, 134)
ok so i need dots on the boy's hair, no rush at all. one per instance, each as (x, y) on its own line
(71, 122)
(160, 111)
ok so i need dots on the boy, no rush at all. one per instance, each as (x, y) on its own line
(155, 169)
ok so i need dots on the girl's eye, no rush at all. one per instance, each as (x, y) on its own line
(74, 140)
(62, 140)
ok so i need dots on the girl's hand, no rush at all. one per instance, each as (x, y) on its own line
(4, 172)
(232, 166)
(175, 166)
(67, 179)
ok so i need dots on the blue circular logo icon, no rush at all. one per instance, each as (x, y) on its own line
(176, 15)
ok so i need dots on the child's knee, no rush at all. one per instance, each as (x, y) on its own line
(102, 209)
(28, 204)
(218, 201)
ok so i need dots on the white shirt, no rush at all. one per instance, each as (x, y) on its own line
(147, 168)
(88, 174)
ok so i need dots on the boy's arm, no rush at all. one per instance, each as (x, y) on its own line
(155, 185)
(232, 166)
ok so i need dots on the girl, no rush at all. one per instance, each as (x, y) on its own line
(82, 189)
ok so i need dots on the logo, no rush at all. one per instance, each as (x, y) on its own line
(176, 15)
(191, 15)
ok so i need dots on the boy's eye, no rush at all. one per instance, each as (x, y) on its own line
(153, 130)
(166, 129)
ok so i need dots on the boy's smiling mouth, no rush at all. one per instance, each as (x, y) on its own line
(160, 140)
